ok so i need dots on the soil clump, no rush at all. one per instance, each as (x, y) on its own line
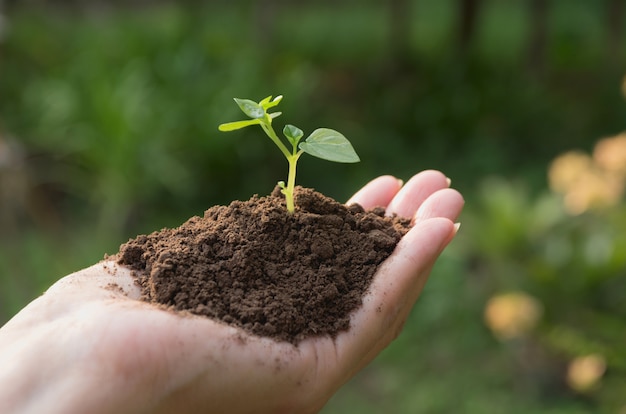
(252, 265)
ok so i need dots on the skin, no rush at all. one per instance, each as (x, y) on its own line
(85, 346)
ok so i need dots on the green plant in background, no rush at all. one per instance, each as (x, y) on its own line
(555, 268)
(324, 143)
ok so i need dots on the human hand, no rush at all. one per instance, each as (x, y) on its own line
(88, 344)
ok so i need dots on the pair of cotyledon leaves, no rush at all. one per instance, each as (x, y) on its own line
(324, 143)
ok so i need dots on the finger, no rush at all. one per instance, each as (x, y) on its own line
(446, 203)
(415, 191)
(377, 193)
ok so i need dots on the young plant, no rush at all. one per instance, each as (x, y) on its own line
(324, 143)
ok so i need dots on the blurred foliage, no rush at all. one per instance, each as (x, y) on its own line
(108, 128)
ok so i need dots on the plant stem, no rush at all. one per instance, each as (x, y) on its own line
(292, 159)
(267, 127)
(288, 190)
(291, 179)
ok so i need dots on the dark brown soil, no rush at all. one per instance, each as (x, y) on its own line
(253, 265)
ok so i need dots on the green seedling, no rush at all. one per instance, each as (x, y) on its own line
(324, 143)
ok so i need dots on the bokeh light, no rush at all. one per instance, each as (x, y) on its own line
(512, 315)
(584, 372)
(587, 182)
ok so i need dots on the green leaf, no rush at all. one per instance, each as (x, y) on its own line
(250, 108)
(232, 126)
(293, 134)
(268, 104)
(265, 101)
(330, 145)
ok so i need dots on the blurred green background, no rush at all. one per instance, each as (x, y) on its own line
(108, 128)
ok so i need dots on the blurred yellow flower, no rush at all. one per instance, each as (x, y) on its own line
(584, 372)
(591, 182)
(610, 154)
(512, 315)
(566, 170)
(592, 190)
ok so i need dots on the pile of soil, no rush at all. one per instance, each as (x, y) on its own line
(253, 265)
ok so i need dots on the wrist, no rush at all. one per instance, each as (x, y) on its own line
(53, 361)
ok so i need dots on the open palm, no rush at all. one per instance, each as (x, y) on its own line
(88, 344)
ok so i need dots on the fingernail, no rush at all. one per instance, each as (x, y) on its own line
(449, 181)
(457, 226)
(400, 182)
